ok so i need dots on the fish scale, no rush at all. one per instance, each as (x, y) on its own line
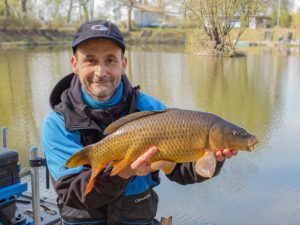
(181, 136)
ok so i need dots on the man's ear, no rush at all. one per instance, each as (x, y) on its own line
(74, 64)
(124, 64)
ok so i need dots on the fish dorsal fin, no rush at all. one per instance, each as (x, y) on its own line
(126, 119)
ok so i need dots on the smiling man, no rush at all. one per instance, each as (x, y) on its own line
(84, 103)
(99, 64)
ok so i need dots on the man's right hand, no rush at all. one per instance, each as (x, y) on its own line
(142, 166)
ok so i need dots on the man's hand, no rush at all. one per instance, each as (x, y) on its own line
(225, 153)
(142, 166)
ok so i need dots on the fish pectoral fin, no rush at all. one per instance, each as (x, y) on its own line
(119, 166)
(166, 166)
(206, 165)
(95, 172)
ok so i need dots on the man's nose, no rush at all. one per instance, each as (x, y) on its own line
(99, 70)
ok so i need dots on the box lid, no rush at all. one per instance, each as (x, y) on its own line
(8, 156)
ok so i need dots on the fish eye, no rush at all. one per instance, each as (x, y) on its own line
(235, 133)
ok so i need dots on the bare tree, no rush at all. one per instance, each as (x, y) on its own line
(92, 8)
(219, 17)
(23, 8)
(85, 10)
(14, 9)
(6, 14)
(129, 4)
(83, 5)
(70, 11)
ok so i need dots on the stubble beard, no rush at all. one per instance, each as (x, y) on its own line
(103, 89)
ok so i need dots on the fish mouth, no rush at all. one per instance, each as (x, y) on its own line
(250, 148)
(252, 141)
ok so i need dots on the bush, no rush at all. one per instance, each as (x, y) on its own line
(17, 24)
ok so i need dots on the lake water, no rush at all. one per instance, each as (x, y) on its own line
(260, 92)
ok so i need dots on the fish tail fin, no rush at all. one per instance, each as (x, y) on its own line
(80, 158)
(92, 181)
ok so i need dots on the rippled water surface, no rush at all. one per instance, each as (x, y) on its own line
(260, 92)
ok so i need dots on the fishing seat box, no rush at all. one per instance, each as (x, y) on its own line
(9, 167)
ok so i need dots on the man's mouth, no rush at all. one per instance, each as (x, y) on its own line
(103, 80)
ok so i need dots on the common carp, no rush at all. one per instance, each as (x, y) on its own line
(180, 135)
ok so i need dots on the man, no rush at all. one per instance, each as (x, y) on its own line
(84, 103)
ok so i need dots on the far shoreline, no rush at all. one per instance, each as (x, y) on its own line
(168, 37)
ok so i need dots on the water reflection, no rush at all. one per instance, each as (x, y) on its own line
(241, 90)
(27, 76)
(259, 92)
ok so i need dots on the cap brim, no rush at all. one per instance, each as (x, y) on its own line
(120, 43)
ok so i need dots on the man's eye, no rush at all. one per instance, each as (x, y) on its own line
(110, 60)
(93, 61)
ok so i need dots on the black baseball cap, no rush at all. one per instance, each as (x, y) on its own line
(98, 29)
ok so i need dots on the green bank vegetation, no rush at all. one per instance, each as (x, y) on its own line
(192, 38)
(206, 26)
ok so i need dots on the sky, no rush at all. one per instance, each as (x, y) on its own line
(296, 4)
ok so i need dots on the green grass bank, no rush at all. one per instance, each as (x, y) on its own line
(36, 37)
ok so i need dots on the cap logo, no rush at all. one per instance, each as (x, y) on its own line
(99, 27)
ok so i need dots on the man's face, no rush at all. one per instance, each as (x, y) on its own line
(99, 64)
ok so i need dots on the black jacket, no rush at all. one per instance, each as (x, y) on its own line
(106, 203)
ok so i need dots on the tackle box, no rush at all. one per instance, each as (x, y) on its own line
(9, 167)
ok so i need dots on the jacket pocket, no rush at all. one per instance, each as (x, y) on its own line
(141, 207)
(74, 216)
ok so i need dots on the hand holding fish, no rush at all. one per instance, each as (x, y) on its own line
(180, 136)
(141, 166)
(225, 153)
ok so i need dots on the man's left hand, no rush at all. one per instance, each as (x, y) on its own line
(225, 153)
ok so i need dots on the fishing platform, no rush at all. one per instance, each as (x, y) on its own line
(20, 200)
(18, 205)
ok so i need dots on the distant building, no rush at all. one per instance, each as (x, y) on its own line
(256, 21)
(146, 14)
(259, 21)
